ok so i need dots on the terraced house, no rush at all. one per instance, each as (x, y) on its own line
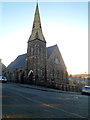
(40, 64)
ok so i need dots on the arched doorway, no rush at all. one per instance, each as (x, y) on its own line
(30, 77)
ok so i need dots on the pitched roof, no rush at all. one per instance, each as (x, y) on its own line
(19, 62)
(50, 50)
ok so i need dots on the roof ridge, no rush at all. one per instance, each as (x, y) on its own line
(22, 54)
(52, 46)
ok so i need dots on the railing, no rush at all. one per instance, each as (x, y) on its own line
(64, 87)
(67, 87)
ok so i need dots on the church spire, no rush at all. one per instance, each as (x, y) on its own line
(37, 29)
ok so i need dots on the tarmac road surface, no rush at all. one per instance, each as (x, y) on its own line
(23, 102)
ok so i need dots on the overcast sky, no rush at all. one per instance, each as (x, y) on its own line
(63, 23)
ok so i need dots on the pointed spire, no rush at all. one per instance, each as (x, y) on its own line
(37, 16)
(37, 29)
(37, 22)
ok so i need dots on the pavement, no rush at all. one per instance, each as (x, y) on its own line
(47, 89)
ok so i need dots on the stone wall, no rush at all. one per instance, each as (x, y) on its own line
(36, 59)
(56, 69)
(14, 75)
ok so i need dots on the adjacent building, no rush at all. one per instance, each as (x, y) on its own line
(2, 67)
(40, 64)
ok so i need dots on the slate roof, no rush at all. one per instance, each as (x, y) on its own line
(50, 50)
(19, 62)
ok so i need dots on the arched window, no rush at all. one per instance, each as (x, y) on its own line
(37, 49)
(40, 25)
(56, 60)
(31, 51)
(41, 51)
(33, 25)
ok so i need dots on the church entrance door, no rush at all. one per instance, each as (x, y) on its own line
(30, 77)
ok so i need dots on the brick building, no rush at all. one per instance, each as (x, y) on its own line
(40, 64)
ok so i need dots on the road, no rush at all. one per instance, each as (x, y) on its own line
(22, 102)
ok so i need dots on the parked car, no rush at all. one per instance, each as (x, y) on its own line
(86, 90)
(3, 79)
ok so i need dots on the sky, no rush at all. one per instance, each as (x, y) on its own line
(63, 23)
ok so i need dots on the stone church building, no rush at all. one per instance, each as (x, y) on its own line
(40, 64)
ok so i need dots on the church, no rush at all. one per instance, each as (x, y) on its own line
(41, 64)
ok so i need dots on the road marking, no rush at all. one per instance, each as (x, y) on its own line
(50, 106)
